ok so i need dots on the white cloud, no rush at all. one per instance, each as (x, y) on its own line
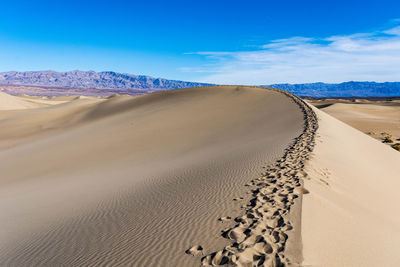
(393, 31)
(371, 56)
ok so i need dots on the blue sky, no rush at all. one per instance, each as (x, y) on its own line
(245, 42)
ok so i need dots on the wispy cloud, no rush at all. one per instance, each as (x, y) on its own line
(361, 56)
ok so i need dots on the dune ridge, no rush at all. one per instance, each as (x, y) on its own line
(260, 237)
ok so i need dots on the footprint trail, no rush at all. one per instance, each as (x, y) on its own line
(259, 237)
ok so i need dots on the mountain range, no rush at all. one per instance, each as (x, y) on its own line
(346, 89)
(91, 79)
(108, 81)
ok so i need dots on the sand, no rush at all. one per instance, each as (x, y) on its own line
(376, 118)
(235, 175)
(139, 181)
(351, 215)
(9, 102)
(269, 232)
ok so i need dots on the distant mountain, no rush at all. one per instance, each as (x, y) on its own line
(91, 79)
(346, 89)
(123, 83)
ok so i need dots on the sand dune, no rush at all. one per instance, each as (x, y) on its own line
(9, 102)
(27, 125)
(135, 181)
(204, 176)
(350, 217)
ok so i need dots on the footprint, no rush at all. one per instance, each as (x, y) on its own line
(302, 190)
(224, 219)
(216, 259)
(237, 234)
(195, 251)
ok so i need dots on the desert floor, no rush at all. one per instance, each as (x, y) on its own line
(377, 118)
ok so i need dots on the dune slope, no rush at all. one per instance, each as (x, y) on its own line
(350, 217)
(9, 102)
(135, 181)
